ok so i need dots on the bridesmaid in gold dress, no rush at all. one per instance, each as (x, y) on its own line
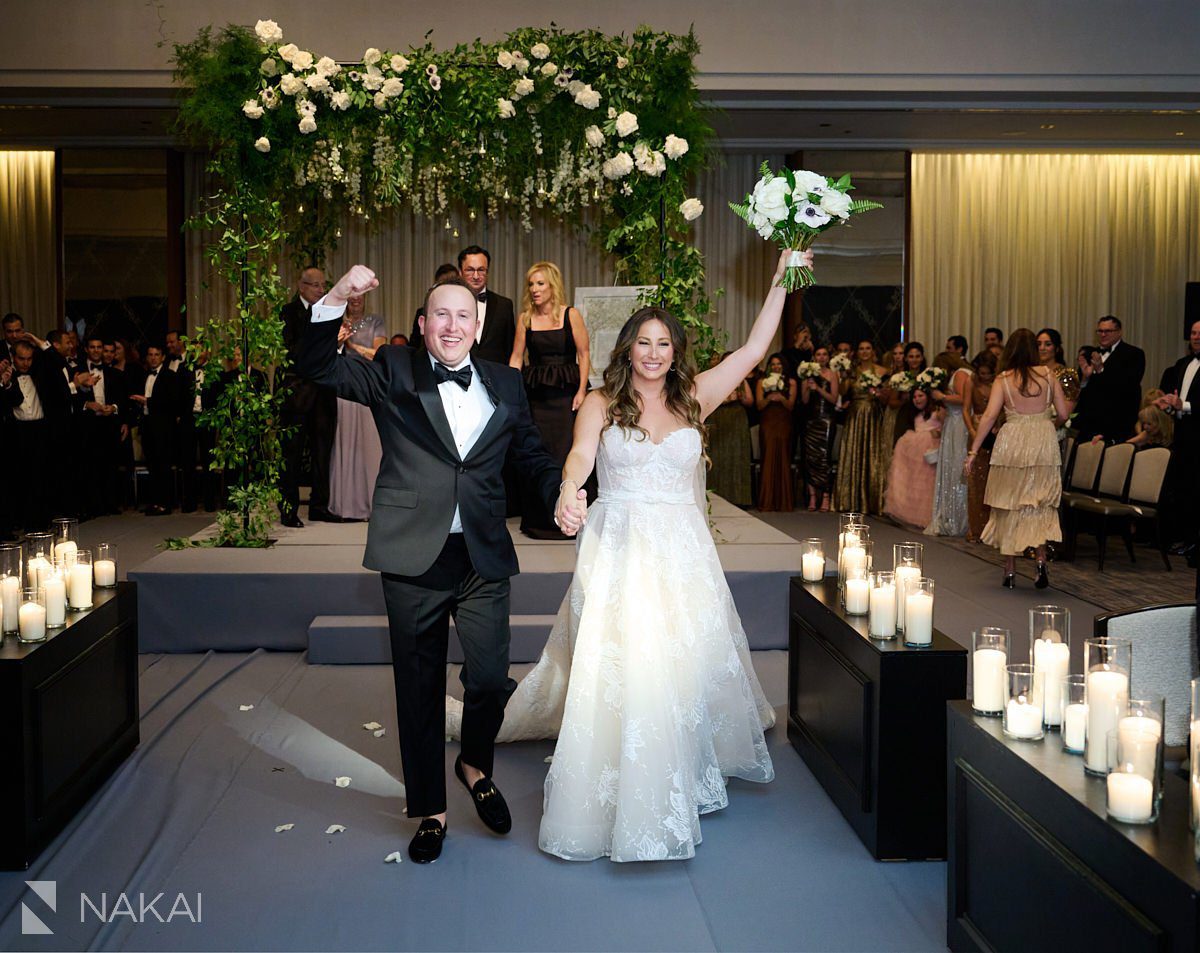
(861, 473)
(1050, 353)
(775, 396)
(985, 364)
(890, 402)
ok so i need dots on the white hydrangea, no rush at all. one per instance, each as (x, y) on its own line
(373, 80)
(252, 108)
(627, 124)
(505, 59)
(269, 67)
(328, 66)
(618, 166)
(549, 69)
(539, 51)
(649, 161)
(392, 87)
(691, 209)
(302, 59)
(316, 82)
(371, 57)
(595, 138)
(522, 87)
(675, 147)
(307, 125)
(587, 97)
(399, 63)
(505, 108)
(268, 31)
(340, 100)
(262, 144)
(380, 101)
(291, 84)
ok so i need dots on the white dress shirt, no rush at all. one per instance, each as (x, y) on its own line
(98, 387)
(1189, 375)
(482, 317)
(1104, 357)
(30, 407)
(151, 377)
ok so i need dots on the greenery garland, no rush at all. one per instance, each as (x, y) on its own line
(603, 131)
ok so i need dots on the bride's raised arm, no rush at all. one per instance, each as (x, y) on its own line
(714, 385)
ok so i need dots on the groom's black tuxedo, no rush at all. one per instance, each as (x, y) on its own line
(430, 573)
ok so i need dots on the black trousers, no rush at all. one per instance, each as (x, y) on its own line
(156, 448)
(311, 411)
(419, 610)
(35, 472)
(101, 460)
(183, 456)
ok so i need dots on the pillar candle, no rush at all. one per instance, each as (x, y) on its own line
(854, 559)
(66, 551)
(1130, 797)
(1053, 661)
(36, 570)
(903, 575)
(857, 596)
(10, 603)
(56, 600)
(918, 618)
(883, 612)
(813, 567)
(1023, 718)
(33, 622)
(1074, 726)
(105, 571)
(988, 679)
(1128, 729)
(80, 586)
(1107, 700)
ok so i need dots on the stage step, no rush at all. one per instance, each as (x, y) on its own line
(363, 639)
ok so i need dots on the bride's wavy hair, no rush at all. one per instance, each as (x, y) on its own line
(624, 408)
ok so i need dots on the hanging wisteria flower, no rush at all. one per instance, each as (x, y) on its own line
(431, 69)
(252, 109)
(594, 137)
(675, 147)
(587, 97)
(622, 62)
(371, 57)
(316, 82)
(328, 66)
(505, 108)
(302, 59)
(691, 209)
(618, 166)
(549, 69)
(392, 87)
(269, 67)
(373, 80)
(787, 208)
(649, 161)
(380, 101)
(340, 100)
(627, 124)
(307, 125)
(262, 144)
(287, 51)
(268, 31)
(505, 59)
(539, 51)
(291, 84)
(398, 63)
(436, 82)
(522, 87)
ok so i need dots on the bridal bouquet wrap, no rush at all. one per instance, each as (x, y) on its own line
(841, 363)
(808, 369)
(793, 208)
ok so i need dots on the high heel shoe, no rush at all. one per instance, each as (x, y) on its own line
(1043, 580)
(1010, 580)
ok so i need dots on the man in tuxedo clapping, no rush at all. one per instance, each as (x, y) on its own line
(1183, 400)
(1117, 383)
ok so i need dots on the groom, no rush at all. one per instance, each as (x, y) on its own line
(437, 531)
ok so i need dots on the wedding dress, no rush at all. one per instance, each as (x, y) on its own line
(647, 669)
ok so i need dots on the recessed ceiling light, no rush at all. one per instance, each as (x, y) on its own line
(1179, 133)
(1047, 125)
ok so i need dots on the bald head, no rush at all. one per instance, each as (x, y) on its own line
(312, 285)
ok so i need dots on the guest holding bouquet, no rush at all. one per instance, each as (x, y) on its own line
(910, 481)
(860, 478)
(907, 362)
(819, 392)
(950, 495)
(775, 397)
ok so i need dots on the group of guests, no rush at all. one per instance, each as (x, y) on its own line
(546, 339)
(72, 411)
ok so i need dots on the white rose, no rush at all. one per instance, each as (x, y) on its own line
(627, 124)
(618, 166)
(588, 98)
(316, 82)
(522, 87)
(769, 198)
(612, 113)
(806, 183)
(262, 144)
(399, 63)
(269, 67)
(595, 138)
(648, 161)
(308, 124)
(302, 59)
(371, 57)
(290, 84)
(573, 85)
(675, 147)
(268, 31)
(287, 51)
(549, 69)
(622, 62)
(392, 87)
(811, 215)
(539, 51)
(373, 80)
(835, 203)
(505, 108)
(505, 59)
(520, 62)
(380, 101)
(436, 82)
(691, 209)
(328, 66)
(252, 109)
(340, 100)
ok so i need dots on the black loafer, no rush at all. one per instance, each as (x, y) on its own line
(290, 519)
(1043, 579)
(1010, 580)
(319, 515)
(426, 845)
(488, 801)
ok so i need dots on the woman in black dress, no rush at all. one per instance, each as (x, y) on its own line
(555, 339)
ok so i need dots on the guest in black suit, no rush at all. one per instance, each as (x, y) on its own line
(497, 321)
(102, 428)
(159, 402)
(1116, 385)
(14, 330)
(1183, 400)
(309, 408)
(447, 421)
(443, 273)
(183, 439)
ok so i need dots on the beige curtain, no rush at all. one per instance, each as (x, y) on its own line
(407, 249)
(1057, 240)
(27, 251)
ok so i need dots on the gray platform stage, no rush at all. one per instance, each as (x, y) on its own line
(312, 582)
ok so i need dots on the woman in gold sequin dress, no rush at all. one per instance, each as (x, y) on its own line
(861, 471)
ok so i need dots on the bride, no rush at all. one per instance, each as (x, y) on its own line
(646, 678)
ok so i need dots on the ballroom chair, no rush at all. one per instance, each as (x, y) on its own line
(1068, 450)
(1111, 487)
(1164, 662)
(1084, 469)
(1140, 503)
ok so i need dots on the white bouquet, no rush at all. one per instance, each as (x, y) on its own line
(932, 378)
(793, 208)
(902, 383)
(841, 363)
(774, 382)
(869, 379)
(807, 369)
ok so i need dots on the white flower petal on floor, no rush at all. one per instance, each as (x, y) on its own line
(379, 732)
(372, 725)
(244, 707)
(284, 827)
(393, 858)
(335, 828)
(342, 782)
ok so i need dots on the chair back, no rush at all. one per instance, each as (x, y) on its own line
(1149, 470)
(1114, 471)
(1068, 447)
(1164, 658)
(1087, 466)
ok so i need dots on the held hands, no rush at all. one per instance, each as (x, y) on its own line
(357, 281)
(571, 512)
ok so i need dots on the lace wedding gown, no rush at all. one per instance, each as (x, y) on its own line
(647, 669)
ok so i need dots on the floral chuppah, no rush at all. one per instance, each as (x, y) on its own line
(547, 121)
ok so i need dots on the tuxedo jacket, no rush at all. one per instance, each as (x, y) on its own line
(52, 391)
(499, 330)
(115, 392)
(422, 477)
(163, 406)
(1118, 394)
(1172, 380)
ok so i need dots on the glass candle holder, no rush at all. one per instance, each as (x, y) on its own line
(1073, 709)
(851, 535)
(1050, 654)
(32, 624)
(855, 558)
(1107, 663)
(104, 567)
(39, 557)
(882, 624)
(1146, 715)
(1194, 771)
(907, 559)
(79, 581)
(1023, 706)
(65, 531)
(10, 603)
(812, 560)
(918, 610)
(1133, 793)
(856, 594)
(989, 660)
(54, 594)
(11, 559)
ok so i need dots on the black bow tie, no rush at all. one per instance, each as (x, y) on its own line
(462, 377)
(1105, 350)
(482, 296)
(154, 373)
(93, 367)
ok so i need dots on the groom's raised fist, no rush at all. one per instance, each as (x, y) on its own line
(357, 281)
